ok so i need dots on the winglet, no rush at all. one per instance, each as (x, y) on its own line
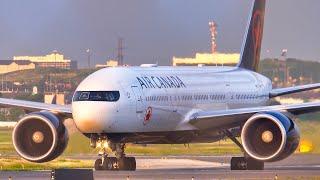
(251, 47)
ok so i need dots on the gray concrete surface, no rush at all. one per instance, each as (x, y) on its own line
(196, 167)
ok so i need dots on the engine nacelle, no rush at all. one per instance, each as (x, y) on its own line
(40, 137)
(270, 136)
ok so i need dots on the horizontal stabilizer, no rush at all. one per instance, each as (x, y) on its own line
(291, 90)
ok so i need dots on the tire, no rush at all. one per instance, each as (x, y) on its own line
(98, 165)
(255, 164)
(238, 163)
(107, 164)
(242, 163)
(132, 163)
(123, 164)
(127, 164)
(113, 161)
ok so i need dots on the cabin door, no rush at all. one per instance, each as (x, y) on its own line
(139, 102)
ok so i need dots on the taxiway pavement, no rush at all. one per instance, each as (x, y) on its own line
(196, 167)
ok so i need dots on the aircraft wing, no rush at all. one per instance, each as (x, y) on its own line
(36, 106)
(236, 117)
(291, 90)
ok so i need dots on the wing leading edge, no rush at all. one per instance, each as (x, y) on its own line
(36, 106)
(236, 117)
(291, 90)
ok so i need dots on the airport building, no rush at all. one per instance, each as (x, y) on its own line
(208, 59)
(54, 60)
(214, 58)
(7, 66)
(55, 98)
(109, 63)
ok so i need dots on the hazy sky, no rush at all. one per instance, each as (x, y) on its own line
(154, 30)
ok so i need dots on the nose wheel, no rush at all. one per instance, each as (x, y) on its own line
(112, 164)
(127, 164)
(120, 162)
(105, 163)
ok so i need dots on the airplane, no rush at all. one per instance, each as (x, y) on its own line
(170, 105)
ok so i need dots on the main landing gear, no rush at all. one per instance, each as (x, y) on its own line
(243, 163)
(120, 162)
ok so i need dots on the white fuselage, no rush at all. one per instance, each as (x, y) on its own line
(162, 99)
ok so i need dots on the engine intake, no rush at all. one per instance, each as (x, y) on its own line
(270, 136)
(40, 137)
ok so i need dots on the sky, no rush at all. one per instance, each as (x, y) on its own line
(153, 30)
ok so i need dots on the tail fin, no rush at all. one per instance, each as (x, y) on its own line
(251, 48)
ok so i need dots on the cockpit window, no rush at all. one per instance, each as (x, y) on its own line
(84, 96)
(111, 96)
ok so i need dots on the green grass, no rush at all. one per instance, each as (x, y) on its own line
(20, 164)
(225, 147)
(5, 141)
(5, 135)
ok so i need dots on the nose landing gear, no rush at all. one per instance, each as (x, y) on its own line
(105, 163)
(120, 162)
(123, 162)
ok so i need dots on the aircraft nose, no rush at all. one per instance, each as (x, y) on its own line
(89, 117)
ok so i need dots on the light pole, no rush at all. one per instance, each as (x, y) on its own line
(89, 56)
(55, 52)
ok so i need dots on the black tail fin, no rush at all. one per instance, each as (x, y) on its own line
(251, 48)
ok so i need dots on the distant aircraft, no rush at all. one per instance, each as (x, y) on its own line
(170, 105)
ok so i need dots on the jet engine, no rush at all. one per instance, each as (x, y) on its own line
(270, 136)
(40, 137)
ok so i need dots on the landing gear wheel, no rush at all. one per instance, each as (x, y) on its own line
(108, 164)
(113, 160)
(254, 164)
(98, 165)
(127, 164)
(123, 164)
(242, 163)
(238, 163)
(132, 163)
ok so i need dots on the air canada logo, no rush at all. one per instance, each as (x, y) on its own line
(257, 34)
(160, 82)
(148, 115)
